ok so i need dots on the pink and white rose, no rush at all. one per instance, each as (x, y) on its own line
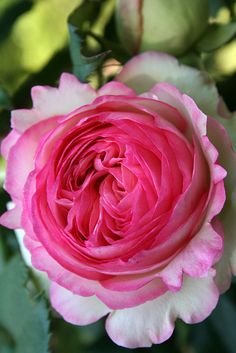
(126, 197)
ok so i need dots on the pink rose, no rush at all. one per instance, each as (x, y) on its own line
(120, 194)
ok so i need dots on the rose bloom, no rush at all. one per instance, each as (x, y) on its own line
(126, 197)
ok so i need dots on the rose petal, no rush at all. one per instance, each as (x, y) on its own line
(76, 309)
(12, 218)
(21, 157)
(153, 322)
(8, 143)
(227, 157)
(115, 88)
(145, 70)
(49, 102)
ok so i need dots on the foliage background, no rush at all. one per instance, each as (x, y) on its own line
(35, 48)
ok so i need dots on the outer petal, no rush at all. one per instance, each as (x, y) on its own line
(12, 218)
(116, 88)
(188, 108)
(145, 70)
(196, 259)
(76, 309)
(21, 159)
(227, 157)
(49, 101)
(8, 142)
(86, 287)
(206, 246)
(153, 322)
(41, 276)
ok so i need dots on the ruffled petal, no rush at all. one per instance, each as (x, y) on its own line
(227, 158)
(116, 88)
(21, 157)
(8, 143)
(76, 309)
(145, 70)
(12, 219)
(196, 259)
(49, 101)
(86, 287)
(153, 322)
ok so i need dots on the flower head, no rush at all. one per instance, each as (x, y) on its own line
(120, 193)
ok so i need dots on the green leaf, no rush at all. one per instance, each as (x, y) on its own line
(23, 321)
(7, 343)
(79, 24)
(216, 36)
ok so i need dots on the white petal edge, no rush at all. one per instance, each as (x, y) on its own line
(145, 70)
(76, 309)
(227, 158)
(50, 101)
(153, 321)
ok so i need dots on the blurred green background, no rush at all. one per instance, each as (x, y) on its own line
(34, 49)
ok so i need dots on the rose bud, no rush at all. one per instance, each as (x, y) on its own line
(165, 25)
(126, 196)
